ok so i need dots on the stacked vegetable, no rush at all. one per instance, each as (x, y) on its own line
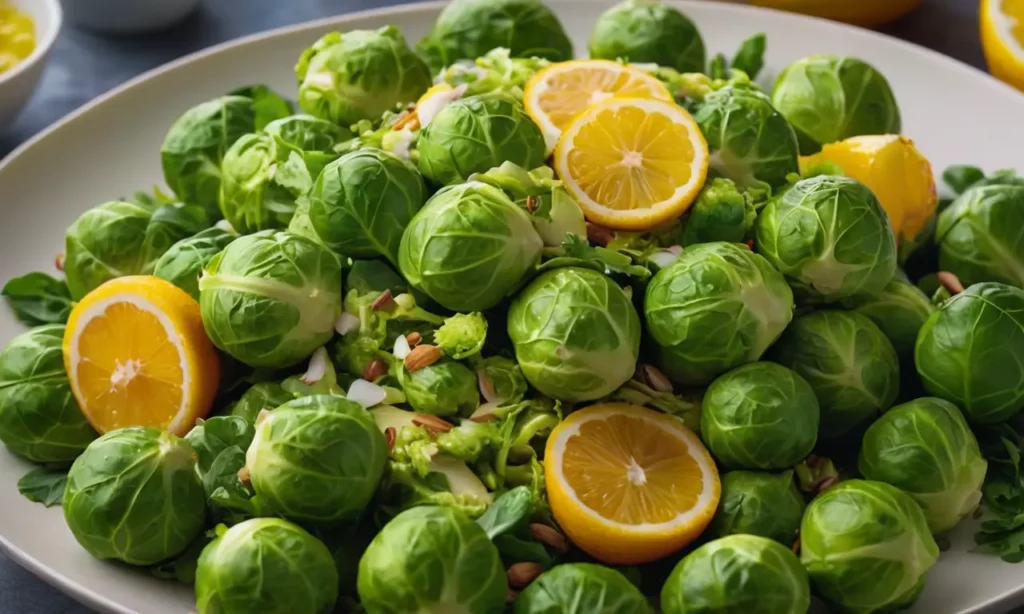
(379, 353)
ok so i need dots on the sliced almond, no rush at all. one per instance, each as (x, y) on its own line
(521, 574)
(655, 379)
(390, 434)
(432, 423)
(549, 537)
(383, 301)
(950, 281)
(374, 369)
(422, 356)
(486, 386)
(413, 339)
(599, 235)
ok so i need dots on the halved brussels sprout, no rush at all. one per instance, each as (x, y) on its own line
(716, 307)
(316, 459)
(315, 139)
(362, 203)
(978, 235)
(468, 247)
(345, 78)
(830, 237)
(866, 546)
(432, 559)
(581, 588)
(576, 334)
(467, 29)
(184, 262)
(134, 495)
(829, 98)
(749, 140)
(39, 417)
(757, 503)
(849, 363)
(899, 311)
(642, 31)
(265, 565)
(270, 299)
(971, 352)
(926, 449)
(121, 238)
(738, 574)
(445, 388)
(477, 133)
(760, 416)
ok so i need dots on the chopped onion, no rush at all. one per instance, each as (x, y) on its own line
(663, 258)
(346, 323)
(675, 249)
(317, 367)
(366, 393)
(428, 109)
(487, 387)
(402, 347)
(486, 412)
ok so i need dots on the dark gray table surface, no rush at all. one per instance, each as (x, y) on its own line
(85, 65)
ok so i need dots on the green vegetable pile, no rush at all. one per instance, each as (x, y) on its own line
(408, 302)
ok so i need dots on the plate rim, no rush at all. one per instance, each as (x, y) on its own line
(95, 600)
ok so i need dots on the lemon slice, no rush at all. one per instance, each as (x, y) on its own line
(1002, 37)
(559, 92)
(632, 163)
(628, 484)
(136, 355)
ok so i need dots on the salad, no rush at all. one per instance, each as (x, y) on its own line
(473, 326)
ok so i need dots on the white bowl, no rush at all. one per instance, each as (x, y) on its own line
(18, 83)
(127, 16)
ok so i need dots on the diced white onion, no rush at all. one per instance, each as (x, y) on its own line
(317, 367)
(402, 348)
(663, 258)
(366, 393)
(346, 323)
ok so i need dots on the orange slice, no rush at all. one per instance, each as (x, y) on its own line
(1002, 37)
(136, 354)
(627, 484)
(632, 163)
(559, 92)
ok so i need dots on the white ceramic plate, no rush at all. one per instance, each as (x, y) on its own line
(110, 148)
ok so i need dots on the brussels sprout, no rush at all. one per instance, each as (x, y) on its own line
(866, 546)
(317, 458)
(359, 75)
(264, 395)
(505, 376)
(314, 139)
(468, 247)
(899, 311)
(749, 140)
(978, 235)
(760, 416)
(183, 263)
(432, 559)
(134, 495)
(576, 334)
(738, 574)
(926, 449)
(120, 238)
(830, 237)
(721, 213)
(270, 299)
(462, 335)
(496, 71)
(445, 388)
(581, 588)
(716, 307)
(850, 365)
(830, 98)
(39, 418)
(971, 352)
(196, 144)
(468, 29)
(477, 133)
(362, 203)
(648, 31)
(265, 565)
(755, 503)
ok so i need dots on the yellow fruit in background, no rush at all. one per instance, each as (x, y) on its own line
(1002, 37)
(632, 163)
(867, 13)
(896, 172)
(628, 484)
(137, 355)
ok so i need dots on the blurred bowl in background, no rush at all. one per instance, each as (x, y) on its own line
(18, 83)
(127, 16)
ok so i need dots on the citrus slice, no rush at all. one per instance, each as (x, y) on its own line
(896, 172)
(1002, 37)
(632, 163)
(559, 92)
(628, 484)
(136, 354)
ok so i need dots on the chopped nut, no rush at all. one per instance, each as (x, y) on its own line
(244, 475)
(655, 379)
(433, 424)
(384, 300)
(389, 436)
(549, 537)
(486, 386)
(796, 546)
(824, 483)
(483, 418)
(414, 338)
(521, 574)
(422, 356)
(599, 235)
(374, 369)
(531, 203)
(950, 281)
(59, 262)
(750, 244)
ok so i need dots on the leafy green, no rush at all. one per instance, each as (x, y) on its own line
(44, 485)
